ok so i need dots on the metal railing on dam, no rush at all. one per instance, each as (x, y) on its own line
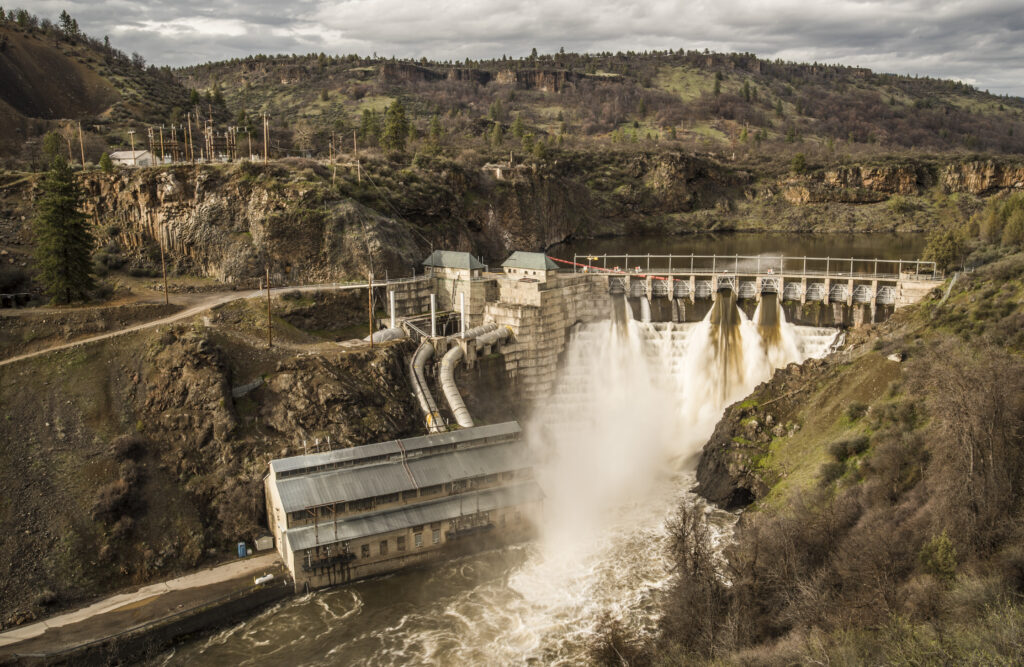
(756, 265)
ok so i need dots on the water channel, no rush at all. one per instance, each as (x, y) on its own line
(634, 403)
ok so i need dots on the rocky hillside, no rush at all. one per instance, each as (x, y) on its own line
(140, 457)
(733, 104)
(309, 223)
(50, 80)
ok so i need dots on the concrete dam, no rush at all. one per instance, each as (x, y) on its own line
(529, 308)
(623, 372)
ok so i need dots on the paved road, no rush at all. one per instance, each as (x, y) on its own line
(248, 566)
(205, 304)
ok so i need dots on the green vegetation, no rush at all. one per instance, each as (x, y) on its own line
(904, 543)
(63, 241)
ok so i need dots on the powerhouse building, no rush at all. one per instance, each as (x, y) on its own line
(351, 513)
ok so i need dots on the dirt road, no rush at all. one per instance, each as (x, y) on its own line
(203, 305)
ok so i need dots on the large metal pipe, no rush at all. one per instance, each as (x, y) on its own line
(391, 297)
(492, 337)
(384, 335)
(451, 391)
(419, 385)
(488, 334)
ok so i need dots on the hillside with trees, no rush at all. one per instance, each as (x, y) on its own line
(736, 106)
(53, 77)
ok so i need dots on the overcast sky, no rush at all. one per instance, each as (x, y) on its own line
(977, 41)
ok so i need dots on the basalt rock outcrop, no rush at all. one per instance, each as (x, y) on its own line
(188, 391)
(982, 176)
(231, 226)
(866, 184)
(355, 396)
(729, 473)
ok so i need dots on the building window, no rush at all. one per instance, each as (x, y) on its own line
(365, 551)
(383, 547)
(384, 500)
(401, 542)
(437, 536)
(418, 540)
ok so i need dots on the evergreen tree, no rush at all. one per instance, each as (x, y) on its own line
(517, 127)
(396, 127)
(436, 131)
(106, 164)
(63, 241)
(67, 24)
(369, 126)
(497, 135)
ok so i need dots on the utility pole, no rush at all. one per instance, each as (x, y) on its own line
(161, 144)
(81, 143)
(369, 299)
(266, 134)
(163, 265)
(191, 148)
(248, 135)
(270, 336)
(355, 146)
(131, 135)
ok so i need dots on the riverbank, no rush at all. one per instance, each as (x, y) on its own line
(130, 625)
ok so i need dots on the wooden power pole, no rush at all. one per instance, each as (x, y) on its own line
(369, 299)
(355, 147)
(266, 134)
(81, 143)
(163, 267)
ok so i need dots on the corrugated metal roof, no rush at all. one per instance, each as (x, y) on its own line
(391, 447)
(367, 525)
(536, 261)
(450, 259)
(469, 463)
(346, 484)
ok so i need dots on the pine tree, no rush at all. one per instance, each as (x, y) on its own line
(517, 127)
(396, 127)
(497, 135)
(369, 126)
(106, 164)
(63, 241)
(436, 131)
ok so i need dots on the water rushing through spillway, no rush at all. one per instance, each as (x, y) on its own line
(634, 403)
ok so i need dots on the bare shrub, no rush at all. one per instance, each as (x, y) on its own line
(614, 646)
(127, 446)
(110, 498)
(976, 401)
(700, 603)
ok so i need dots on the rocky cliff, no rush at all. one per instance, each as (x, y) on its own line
(862, 184)
(133, 459)
(310, 224)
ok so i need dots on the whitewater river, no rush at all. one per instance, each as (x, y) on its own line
(634, 403)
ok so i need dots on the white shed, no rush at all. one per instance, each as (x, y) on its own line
(133, 158)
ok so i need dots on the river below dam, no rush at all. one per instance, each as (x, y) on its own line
(619, 437)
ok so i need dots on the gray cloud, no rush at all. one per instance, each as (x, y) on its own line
(981, 42)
